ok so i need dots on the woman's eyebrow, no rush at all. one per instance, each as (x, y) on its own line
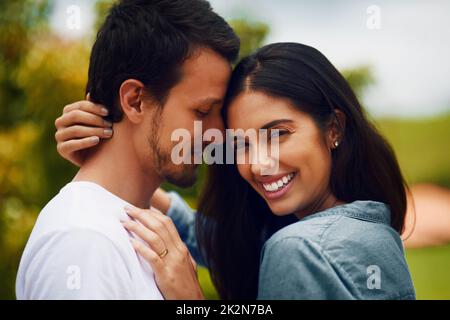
(275, 122)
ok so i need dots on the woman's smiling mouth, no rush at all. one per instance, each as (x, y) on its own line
(277, 186)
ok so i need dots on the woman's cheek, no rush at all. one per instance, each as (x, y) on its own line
(317, 166)
(240, 170)
(291, 154)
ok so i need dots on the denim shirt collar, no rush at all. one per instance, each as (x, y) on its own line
(366, 210)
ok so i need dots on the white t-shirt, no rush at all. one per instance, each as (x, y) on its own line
(79, 250)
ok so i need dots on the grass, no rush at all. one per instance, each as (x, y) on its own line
(207, 286)
(423, 150)
(422, 147)
(430, 270)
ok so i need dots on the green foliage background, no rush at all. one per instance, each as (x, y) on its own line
(41, 72)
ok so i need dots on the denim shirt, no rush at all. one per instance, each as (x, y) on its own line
(346, 252)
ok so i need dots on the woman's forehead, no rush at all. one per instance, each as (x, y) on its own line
(256, 109)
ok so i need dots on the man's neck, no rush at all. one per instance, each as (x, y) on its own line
(114, 165)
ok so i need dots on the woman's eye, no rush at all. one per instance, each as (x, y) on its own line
(277, 133)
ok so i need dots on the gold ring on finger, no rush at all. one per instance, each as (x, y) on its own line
(164, 253)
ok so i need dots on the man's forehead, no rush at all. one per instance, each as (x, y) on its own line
(207, 62)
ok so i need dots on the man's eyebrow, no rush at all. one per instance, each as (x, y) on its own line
(209, 101)
(275, 122)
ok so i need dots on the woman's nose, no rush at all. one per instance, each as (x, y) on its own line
(263, 164)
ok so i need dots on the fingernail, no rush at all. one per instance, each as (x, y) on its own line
(95, 140)
(104, 111)
(107, 132)
(128, 209)
(107, 123)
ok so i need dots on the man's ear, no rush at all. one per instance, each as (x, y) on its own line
(336, 129)
(131, 95)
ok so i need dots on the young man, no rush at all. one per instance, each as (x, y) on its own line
(157, 66)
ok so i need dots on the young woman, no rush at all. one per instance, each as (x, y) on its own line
(327, 225)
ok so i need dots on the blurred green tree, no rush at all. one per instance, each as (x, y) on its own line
(20, 21)
(252, 34)
(39, 74)
(359, 78)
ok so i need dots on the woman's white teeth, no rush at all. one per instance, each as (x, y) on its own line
(279, 184)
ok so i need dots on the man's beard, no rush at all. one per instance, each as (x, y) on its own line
(183, 175)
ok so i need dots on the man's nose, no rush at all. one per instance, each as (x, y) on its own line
(214, 123)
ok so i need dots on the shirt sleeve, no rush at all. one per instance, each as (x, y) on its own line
(184, 219)
(78, 264)
(296, 268)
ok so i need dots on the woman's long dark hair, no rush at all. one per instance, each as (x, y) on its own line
(234, 221)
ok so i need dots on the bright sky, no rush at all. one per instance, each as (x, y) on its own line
(409, 53)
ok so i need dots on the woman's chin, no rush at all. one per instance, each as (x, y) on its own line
(287, 206)
(280, 210)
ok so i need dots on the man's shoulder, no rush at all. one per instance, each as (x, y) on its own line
(80, 231)
(81, 207)
(74, 244)
(52, 260)
(73, 223)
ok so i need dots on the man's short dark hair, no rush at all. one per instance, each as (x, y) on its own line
(148, 40)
